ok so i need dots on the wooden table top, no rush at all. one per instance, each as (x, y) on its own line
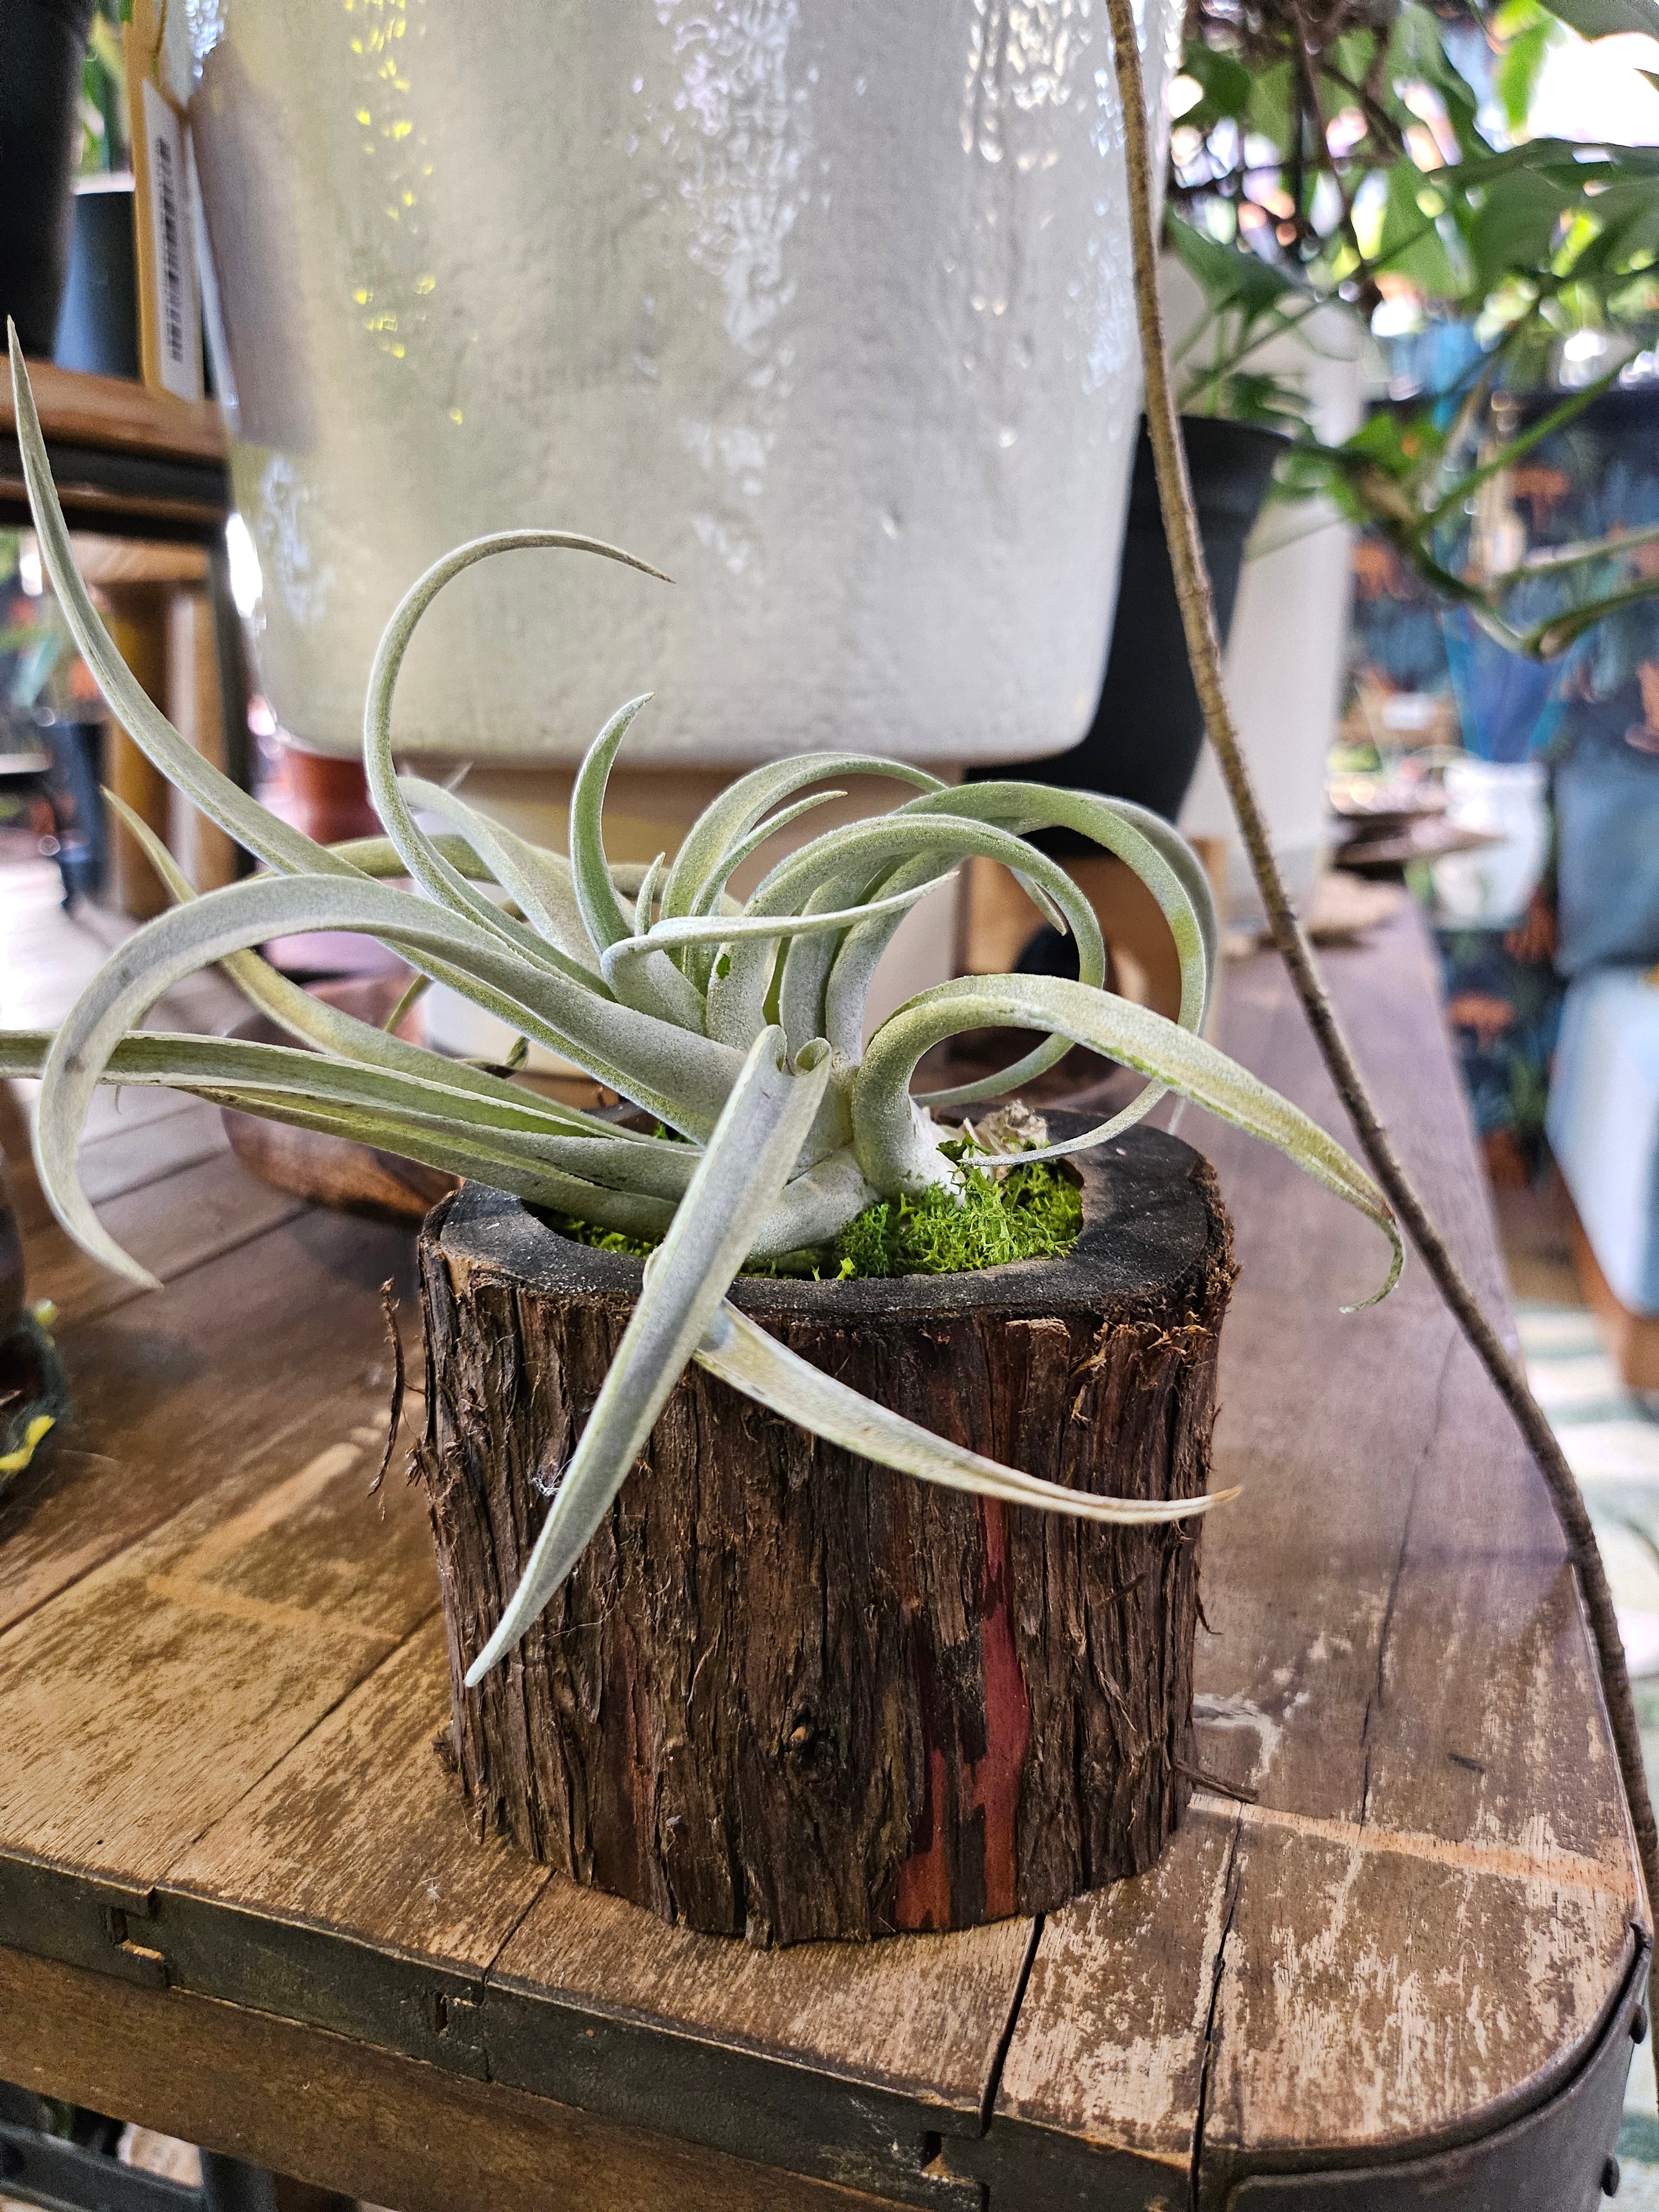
(243, 1904)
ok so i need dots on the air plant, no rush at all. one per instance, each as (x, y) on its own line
(736, 1026)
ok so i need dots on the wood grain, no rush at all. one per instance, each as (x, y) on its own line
(1398, 1666)
(1412, 1935)
(172, 1390)
(169, 1225)
(216, 1642)
(109, 411)
(310, 1841)
(785, 1692)
(353, 2118)
(841, 2057)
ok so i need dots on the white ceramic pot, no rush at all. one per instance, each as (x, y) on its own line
(1288, 646)
(822, 306)
(1489, 888)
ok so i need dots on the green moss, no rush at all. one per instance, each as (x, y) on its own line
(1033, 1213)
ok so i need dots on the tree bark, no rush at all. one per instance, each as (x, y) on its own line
(790, 1694)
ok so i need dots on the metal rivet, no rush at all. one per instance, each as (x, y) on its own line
(1610, 2178)
(1638, 2025)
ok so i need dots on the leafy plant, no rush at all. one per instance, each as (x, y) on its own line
(103, 92)
(739, 1026)
(1335, 157)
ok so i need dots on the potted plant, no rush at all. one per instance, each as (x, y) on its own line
(817, 1667)
(1376, 163)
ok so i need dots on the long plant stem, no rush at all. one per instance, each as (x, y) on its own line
(1204, 649)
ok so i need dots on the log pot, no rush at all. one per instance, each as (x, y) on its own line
(790, 1694)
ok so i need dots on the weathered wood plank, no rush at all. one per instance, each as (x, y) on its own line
(917, 2015)
(172, 1390)
(1115, 2012)
(353, 2118)
(844, 2057)
(170, 1225)
(135, 1150)
(214, 1645)
(1398, 1666)
(1386, 1991)
(1409, 1934)
(362, 1827)
(129, 1155)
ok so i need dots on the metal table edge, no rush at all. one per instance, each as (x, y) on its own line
(614, 2062)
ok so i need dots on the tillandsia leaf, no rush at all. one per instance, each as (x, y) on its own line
(536, 880)
(825, 986)
(210, 791)
(604, 1180)
(602, 914)
(817, 1204)
(438, 1132)
(1152, 849)
(654, 985)
(459, 1148)
(735, 929)
(740, 1353)
(738, 1179)
(426, 864)
(734, 856)
(684, 1080)
(647, 899)
(894, 1148)
(869, 851)
(379, 858)
(725, 822)
(697, 960)
(304, 1015)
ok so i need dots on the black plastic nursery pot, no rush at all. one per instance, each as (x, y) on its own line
(41, 45)
(98, 322)
(1148, 729)
(787, 1693)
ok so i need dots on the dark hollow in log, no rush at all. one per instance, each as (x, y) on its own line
(785, 1692)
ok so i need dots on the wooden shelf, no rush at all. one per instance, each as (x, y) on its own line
(113, 415)
(127, 464)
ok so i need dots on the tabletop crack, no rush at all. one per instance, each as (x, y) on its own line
(1231, 1884)
(1004, 2041)
(1378, 1697)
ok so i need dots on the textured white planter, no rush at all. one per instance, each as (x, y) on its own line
(824, 306)
(1287, 652)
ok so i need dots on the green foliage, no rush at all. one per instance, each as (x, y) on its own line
(1029, 1214)
(104, 93)
(1364, 178)
(1033, 1213)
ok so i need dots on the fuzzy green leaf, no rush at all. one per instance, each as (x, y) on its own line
(212, 793)
(742, 1353)
(738, 1178)
(896, 1149)
(425, 862)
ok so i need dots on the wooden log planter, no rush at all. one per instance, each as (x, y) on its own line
(787, 1693)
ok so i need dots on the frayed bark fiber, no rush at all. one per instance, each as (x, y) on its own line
(785, 1692)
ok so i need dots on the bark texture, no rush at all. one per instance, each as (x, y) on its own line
(786, 1693)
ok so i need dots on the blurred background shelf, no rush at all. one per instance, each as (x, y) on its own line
(128, 462)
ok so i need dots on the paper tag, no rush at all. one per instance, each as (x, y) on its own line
(169, 312)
